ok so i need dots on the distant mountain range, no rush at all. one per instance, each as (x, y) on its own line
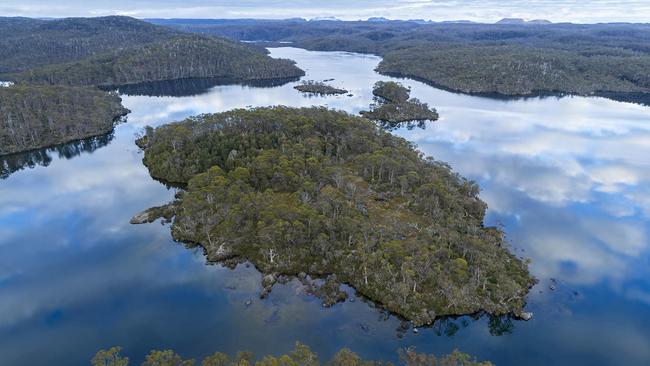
(523, 21)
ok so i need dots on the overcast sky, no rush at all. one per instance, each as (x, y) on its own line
(579, 11)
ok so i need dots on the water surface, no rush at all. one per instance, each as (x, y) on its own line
(569, 180)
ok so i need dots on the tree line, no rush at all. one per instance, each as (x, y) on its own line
(301, 355)
(509, 59)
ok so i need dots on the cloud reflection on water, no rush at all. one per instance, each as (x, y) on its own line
(569, 178)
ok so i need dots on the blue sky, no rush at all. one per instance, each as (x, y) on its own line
(580, 11)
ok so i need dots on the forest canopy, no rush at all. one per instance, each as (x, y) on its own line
(394, 107)
(33, 117)
(50, 59)
(320, 193)
(508, 59)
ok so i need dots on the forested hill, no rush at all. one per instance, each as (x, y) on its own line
(509, 59)
(318, 192)
(28, 43)
(181, 57)
(122, 50)
(51, 59)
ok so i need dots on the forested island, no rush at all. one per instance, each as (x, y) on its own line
(301, 355)
(50, 59)
(510, 58)
(33, 117)
(318, 87)
(394, 107)
(319, 193)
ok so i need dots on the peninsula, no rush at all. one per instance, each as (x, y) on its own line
(38, 116)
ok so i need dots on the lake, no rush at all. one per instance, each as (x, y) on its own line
(567, 178)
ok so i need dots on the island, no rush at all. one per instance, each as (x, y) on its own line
(58, 75)
(33, 117)
(394, 107)
(319, 87)
(314, 193)
(301, 355)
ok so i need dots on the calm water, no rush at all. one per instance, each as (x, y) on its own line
(569, 179)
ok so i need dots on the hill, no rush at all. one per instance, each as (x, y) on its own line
(181, 57)
(519, 59)
(104, 52)
(30, 43)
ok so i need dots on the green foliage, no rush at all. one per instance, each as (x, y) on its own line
(302, 355)
(37, 116)
(181, 57)
(110, 357)
(318, 87)
(391, 91)
(409, 357)
(393, 108)
(519, 70)
(511, 59)
(321, 192)
(31, 43)
(165, 358)
(106, 51)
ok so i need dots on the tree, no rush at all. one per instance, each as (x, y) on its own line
(110, 357)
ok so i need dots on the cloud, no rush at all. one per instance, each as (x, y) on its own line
(477, 10)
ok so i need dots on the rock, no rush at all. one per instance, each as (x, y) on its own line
(352, 299)
(364, 327)
(268, 280)
(141, 218)
(415, 330)
(432, 315)
(552, 287)
(526, 316)
(248, 302)
(404, 325)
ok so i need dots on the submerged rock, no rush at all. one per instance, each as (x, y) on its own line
(526, 316)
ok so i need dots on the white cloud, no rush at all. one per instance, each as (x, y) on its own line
(477, 10)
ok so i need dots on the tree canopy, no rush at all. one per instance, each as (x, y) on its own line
(394, 107)
(301, 355)
(320, 192)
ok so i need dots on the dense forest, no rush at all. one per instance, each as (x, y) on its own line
(31, 43)
(319, 193)
(106, 52)
(181, 57)
(510, 59)
(394, 107)
(33, 117)
(301, 355)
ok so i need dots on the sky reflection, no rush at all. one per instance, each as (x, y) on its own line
(568, 178)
